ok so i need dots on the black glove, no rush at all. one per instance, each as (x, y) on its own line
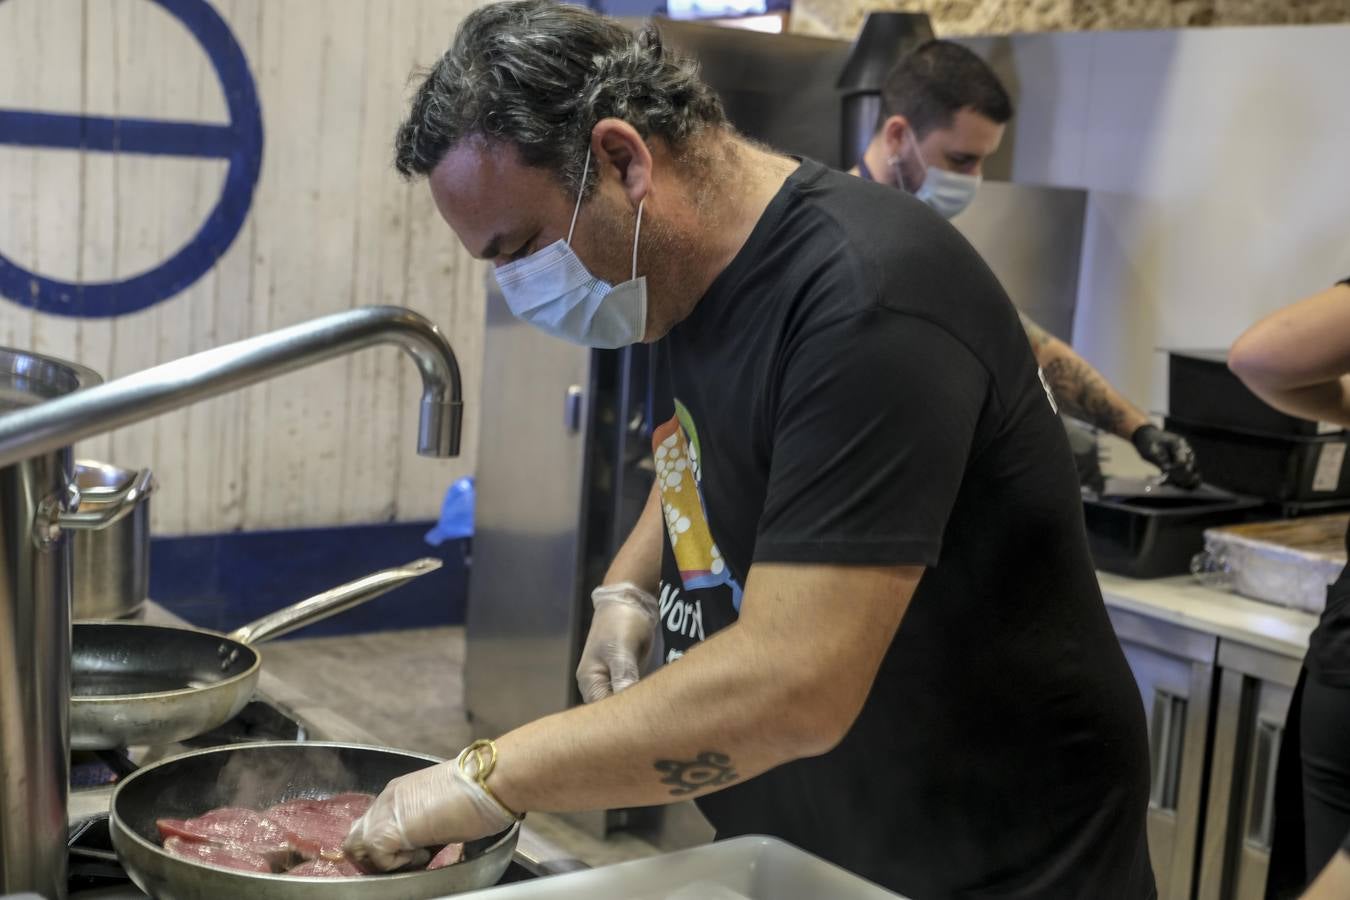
(1168, 452)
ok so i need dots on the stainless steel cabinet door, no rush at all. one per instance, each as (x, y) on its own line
(1254, 693)
(1174, 668)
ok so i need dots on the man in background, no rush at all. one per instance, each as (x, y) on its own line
(944, 114)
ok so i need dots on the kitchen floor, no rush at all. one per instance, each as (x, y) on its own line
(407, 687)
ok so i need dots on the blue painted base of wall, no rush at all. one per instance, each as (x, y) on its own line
(222, 581)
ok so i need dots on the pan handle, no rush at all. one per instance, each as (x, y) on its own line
(332, 602)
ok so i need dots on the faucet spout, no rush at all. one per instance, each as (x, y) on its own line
(63, 421)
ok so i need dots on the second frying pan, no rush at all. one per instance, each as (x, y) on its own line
(133, 683)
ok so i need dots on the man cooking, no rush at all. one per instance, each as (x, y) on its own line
(854, 435)
(945, 112)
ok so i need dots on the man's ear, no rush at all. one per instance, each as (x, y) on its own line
(616, 147)
(894, 131)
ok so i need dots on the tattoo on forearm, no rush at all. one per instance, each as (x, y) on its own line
(709, 769)
(1085, 395)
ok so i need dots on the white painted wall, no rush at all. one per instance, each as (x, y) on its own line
(331, 227)
(1218, 162)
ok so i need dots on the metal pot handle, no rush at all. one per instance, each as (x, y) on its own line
(332, 602)
(112, 507)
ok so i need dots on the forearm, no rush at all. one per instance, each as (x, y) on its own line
(1079, 389)
(1083, 393)
(639, 559)
(1327, 401)
(1334, 881)
(751, 697)
(712, 719)
(1296, 359)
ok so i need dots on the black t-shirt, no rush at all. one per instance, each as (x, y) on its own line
(855, 388)
(1329, 647)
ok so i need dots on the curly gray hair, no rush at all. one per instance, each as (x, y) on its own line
(539, 75)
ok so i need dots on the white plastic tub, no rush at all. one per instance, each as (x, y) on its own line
(744, 868)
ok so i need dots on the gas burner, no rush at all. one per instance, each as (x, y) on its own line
(258, 721)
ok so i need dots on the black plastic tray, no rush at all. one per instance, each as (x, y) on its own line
(1145, 536)
(1201, 390)
(1273, 467)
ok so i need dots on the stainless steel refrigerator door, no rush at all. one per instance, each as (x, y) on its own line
(1174, 668)
(1032, 237)
(1253, 702)
(526, 578)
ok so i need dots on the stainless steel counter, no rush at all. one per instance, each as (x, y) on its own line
(1182, 601)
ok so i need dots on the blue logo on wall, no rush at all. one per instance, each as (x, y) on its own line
(240, 142)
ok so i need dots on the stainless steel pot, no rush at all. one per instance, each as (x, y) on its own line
(112, 562)
(34, 617)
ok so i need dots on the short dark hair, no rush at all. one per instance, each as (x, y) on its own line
(938, 78)
(539, 75)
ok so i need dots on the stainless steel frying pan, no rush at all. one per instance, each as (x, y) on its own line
(133, 683)
(259, 776)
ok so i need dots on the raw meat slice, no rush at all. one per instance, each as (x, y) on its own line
(314, 833)
(224, 855)
(449, 855)
(231, 826)
(328, 868)
(304, 827)
(356, 804)
(314, 828)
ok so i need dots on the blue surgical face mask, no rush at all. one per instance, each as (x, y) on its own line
(948, 193)
(554, 291)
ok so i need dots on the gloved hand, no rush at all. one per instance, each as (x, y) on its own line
(624, 641)
(1169, 452)
(426, 809)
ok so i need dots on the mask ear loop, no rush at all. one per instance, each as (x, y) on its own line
(637, 231)
(894, 161)
(576, 210)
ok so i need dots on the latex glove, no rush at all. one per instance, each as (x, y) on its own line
(429, 808)
(623, 643)
(1169, 452)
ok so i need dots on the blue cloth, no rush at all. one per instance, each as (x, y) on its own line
(456, 514)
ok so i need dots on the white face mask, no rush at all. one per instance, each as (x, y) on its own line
(554, 291)
(948, 193)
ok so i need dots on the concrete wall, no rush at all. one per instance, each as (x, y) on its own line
(330, 227)
(841, 18)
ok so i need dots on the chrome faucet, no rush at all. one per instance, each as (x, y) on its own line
(142, 395)
(37, 496)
